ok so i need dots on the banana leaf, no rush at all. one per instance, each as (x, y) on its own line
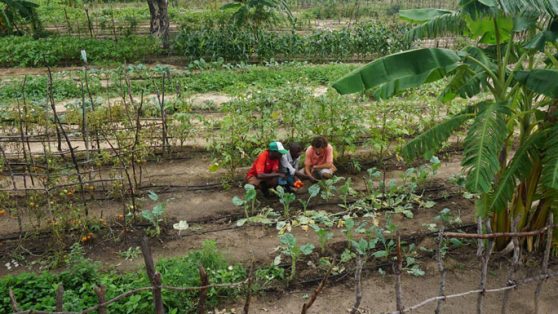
(542, 81)
(394, 73)
(422, 15)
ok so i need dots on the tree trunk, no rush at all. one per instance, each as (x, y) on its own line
(159, 23)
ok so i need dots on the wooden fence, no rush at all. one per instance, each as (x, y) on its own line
(485, 249)
(156, 290)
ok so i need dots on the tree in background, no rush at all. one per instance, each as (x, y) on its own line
(254, 14)
(159, 23)
(511, 146)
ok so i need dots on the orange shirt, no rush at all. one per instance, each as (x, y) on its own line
(263, 164)
(313, 159)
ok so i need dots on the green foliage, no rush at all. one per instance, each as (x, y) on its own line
(155, 215)
(233, 44)
(285, 199)
(249, 201)
(256, 13)
(26, 51)
(550, 161)
(324, 235)
(392, 74)
(430, 141)
(16, 13)
(313, 191)
(293, 250)
(482, 145)
(37, 291)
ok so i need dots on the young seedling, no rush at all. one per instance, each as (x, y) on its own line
(324, 236)
(346, 190)
(290, 248)
(313, 191)
(285, 199)
(154, 216)
(328, 187)
(249, 202)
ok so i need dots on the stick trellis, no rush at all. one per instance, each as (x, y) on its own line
(484, 252)
(155, 288)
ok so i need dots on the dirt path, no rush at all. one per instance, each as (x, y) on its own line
(378, 293)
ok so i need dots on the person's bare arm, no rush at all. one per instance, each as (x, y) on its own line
(326, 165)
(308, 171)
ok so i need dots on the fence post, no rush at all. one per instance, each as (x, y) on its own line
(514, 266)
(13, 300)
(154, 276)
(485, 253)
(204, 281)
(397, 267)
(548, 248)
(317, 291)
(249, 288)
(100, 292)
(442, 270)
(60, 298)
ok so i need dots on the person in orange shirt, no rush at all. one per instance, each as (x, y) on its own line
(264, 172)
(318, 163)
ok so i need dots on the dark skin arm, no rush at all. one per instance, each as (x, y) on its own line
(270, 175)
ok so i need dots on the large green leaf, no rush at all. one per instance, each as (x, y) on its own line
(430, 141)
(485, 28)
(442, 25)
(549, 174)
(422, 15)
(524, 7)
(482, 147)
(470, 77)
(517, 169)
(542, 81)
(399, 71)
(539, 41)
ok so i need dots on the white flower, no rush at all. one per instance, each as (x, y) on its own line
(230, 268)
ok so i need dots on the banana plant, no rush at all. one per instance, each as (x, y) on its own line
(514, 61)
(14, 11)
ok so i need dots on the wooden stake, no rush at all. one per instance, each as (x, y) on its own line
(442, 270)
(100, 291)
(13, 301)
(154, 276)
(317, 291)
(203, 292)
(546, 258)
(485, 257)
(398, 267)
(249, 289)
(358, 284)
(68, 142)
(514, 266)
(60, 298)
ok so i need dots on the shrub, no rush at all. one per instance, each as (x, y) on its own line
(26, 51)
(37, 291)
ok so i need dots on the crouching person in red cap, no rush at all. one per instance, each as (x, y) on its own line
(264, 173)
